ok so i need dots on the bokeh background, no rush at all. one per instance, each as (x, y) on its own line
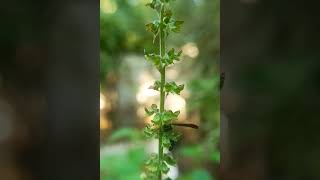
(125, 77)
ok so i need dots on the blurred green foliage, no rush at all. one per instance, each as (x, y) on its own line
(125, 166)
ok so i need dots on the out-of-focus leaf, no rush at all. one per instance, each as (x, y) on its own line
(125, 133)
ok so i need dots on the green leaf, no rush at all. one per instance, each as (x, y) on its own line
(169, 160)
(148, 112)
(152, 168)
(156, 86)
(156, 119)
(164, 168)
(171, 56)
(152, 110)
(174, 136)
(169, 116)
(166, 142)
(153, 27)
(172, 87)
(152, 159)
(152, 163)
(176, 27)
(149, 131)
(154, 58)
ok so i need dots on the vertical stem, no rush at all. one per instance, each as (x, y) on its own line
(162, 50)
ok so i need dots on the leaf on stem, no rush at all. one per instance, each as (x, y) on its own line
(169, 116)
(157, 119)
(156, 86)
(164, 168)
(175, 26)
(149, 131)
(154, 58)
(169, 160)
(153, 27)
(152, 110)
(172, 87)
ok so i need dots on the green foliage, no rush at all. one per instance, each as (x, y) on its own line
(172, 87)
(125, 133)
(161, 62)
(112, 166)
(198, 174)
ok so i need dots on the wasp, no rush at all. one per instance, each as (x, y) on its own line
(168, 127)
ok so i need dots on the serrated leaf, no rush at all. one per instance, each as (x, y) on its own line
(169, 116)
(149, 131)
(152, 162)
(164, 168)
(174, 136)
(169, 160)
(148, 112)
(171, 56)
(154, 58)
(156, 119)
(166, 142)
(175, 26)
(172, 87)
(152, 27)
(154, 107)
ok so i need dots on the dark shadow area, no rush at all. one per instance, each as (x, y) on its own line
(49, 90)
(270, 102)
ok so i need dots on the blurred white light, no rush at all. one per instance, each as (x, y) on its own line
(177, 103)
(191, 50)
(144, 94)
(102, 102)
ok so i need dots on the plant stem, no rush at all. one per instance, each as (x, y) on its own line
(162, 50)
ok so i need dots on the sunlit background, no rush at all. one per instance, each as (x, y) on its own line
(126, 76)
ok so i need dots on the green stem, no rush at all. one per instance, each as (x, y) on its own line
(162, 50)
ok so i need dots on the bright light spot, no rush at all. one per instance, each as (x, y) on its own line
(177, 103)
(145, 93)
(191, 50)
(108, 6)
(102, 102)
